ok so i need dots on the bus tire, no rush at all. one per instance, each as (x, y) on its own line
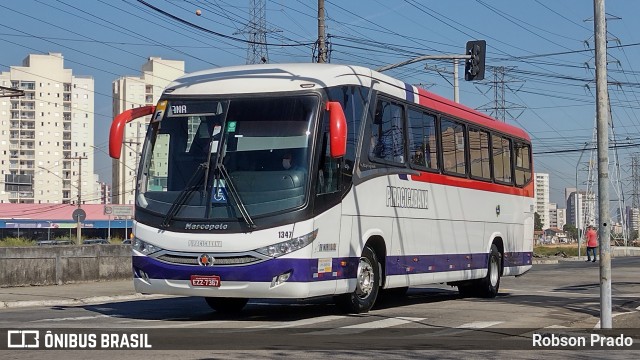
(367, 286)
(467, 290)
(393, 294)
(226, 305)
(489, 286)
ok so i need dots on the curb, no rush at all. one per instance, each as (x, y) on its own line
(85, 301)
(544, 261)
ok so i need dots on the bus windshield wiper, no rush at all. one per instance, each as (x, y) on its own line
(235, 195)
(184, 195)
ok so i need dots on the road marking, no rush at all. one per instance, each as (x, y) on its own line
(77, 318)
(465, 328)
(612, 316)
(370, 325)
(180, 325)
(302, 322)
(479, 324)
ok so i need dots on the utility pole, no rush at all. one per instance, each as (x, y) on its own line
(322, 45)
(602, 112)
(78, 222)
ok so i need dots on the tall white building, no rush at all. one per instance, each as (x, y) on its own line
(47, 134)
(542, 198)
(586, 210)
(131, 92)
(561, 215)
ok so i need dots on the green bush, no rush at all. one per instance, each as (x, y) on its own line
(14, 241)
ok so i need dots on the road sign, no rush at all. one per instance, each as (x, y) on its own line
(118, 210)
(79, 215)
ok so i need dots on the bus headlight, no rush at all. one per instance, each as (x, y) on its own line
(144, 247)
(288, 246)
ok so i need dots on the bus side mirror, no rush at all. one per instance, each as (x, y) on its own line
(117, 127)
(337, 129)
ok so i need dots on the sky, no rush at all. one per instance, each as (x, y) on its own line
(543, 49)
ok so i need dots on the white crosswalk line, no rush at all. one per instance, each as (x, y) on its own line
(370, 325)
(77, 318)
(465, 328)
(479, 324)
(302, 322)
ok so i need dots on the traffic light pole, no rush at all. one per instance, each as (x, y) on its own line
(474, 64)
(455, 58)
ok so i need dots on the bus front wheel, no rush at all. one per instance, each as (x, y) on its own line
(367, 286)
(226, 305)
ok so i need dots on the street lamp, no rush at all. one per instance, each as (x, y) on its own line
(49, 231)
(575, 200)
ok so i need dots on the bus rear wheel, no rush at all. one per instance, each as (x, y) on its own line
(488, 286)
(367, 286)
(226, 305)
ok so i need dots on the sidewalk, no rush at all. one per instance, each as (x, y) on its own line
(70, 294)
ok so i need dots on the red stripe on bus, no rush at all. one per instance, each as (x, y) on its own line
(432, 178)
(446, 106)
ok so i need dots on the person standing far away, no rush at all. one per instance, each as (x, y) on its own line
(592, 242)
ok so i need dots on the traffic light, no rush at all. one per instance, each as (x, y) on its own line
(474, 67)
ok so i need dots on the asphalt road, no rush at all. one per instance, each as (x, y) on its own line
(428, 323)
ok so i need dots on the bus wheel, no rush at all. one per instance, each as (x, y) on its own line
(226, 305)
(367, 286)
(488, 287)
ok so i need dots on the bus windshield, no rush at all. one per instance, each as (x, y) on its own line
(214, 158)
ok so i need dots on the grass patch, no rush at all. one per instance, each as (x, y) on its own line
(13, 241)
(569, 250)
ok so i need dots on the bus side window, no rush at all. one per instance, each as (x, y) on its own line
(453, 146)
(501, 158)
(422, 140)
(387, 133)
(523, 163)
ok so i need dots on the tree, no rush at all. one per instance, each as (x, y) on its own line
(537, 223)
(571, 230)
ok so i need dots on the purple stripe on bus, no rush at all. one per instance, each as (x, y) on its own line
(403, 176)
(303, 270)
(410, 95)
(306, 270)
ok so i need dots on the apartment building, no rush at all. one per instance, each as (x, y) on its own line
(131, 92)
(47, 135)
(542, 198)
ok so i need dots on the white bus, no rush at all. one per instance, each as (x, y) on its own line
(303, 180)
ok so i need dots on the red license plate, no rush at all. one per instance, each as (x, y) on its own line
(203, 280)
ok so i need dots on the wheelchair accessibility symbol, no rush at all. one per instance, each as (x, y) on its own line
(219, 195)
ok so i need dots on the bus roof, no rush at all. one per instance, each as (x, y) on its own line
(268, 78)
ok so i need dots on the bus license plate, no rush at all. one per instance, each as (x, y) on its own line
(202, 280)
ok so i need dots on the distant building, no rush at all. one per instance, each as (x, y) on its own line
(633, 219)
(554, 235)
(581, 210)
(131, 92)
(561, 215)
(542, 198)
(105, 193)
(44, 132)
(553, 215)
